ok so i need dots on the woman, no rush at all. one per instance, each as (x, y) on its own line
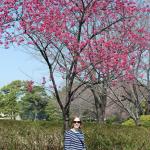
(74, 138)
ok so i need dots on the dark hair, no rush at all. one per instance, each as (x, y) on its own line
(72, 120)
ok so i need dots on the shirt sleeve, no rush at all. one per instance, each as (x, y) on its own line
(67, 141)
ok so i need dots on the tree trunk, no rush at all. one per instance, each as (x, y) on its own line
(103, 100)
(35, 116)
(137, 122)
(100, 105)
(97, 108)
(66, 118)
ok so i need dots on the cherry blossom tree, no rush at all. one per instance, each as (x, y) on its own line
(67, 33)
(121, 51)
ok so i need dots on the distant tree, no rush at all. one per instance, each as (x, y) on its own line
(33, 104)
(28, 101)
(1, 102)
(9, 99)
(52, 111)
(130, 97)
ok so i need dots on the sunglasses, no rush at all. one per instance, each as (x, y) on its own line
(76, 121)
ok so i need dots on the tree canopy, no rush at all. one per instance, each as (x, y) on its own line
(16, 99)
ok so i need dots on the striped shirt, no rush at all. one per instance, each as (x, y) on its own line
(74, 140)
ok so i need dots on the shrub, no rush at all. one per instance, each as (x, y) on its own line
(144, 121)
(116, 137)
(43, 135)
(27, 135)
(111, 120)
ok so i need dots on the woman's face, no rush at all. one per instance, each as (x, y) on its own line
(76, 123)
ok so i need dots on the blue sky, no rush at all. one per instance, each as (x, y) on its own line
(16, 64)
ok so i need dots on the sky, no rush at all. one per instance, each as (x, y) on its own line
(16, 64)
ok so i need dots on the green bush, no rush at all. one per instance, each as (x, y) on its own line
(111, 120)
(144, 121)
(43, 135)
(116, 137)
(27, 135)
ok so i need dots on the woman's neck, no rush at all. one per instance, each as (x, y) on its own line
(75, 130)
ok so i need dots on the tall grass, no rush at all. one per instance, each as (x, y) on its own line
(18, 135)
(27, 135)
(117, 137)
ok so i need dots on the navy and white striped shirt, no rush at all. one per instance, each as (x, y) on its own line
(74, 140)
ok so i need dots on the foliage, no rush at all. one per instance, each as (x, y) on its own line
(144, 121)
(9, 97)
(52, 111)
(144, 106)
(116, 137)
(25, 135)
(83, 32)
(44, 135)
(111, 119)
(15, 98)
(33, 104)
